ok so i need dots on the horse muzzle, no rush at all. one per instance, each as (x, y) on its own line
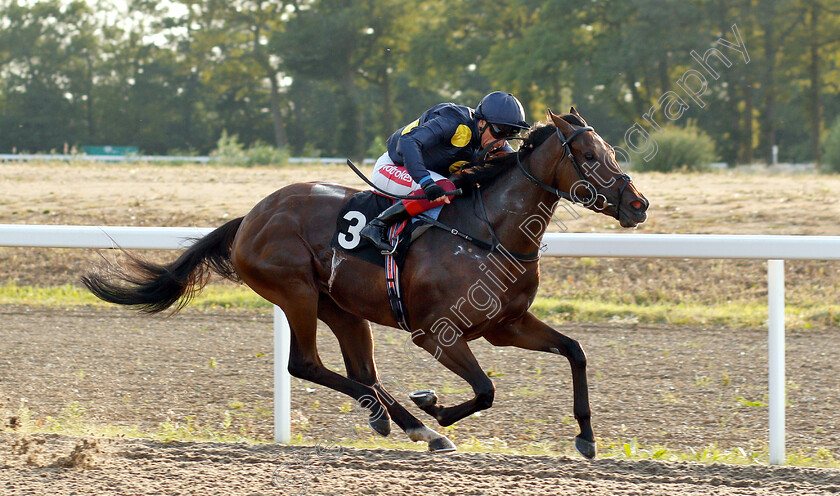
(632, 212)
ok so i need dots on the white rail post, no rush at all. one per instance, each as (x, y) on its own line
(282, 381)
(776, 358)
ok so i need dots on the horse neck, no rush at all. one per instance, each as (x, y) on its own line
(518, 209)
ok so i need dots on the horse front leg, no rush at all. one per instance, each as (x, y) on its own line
(530, 333)
(458, 358)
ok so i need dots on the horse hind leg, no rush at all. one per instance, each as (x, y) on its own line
(304, 362)
(271, 254)
(356, 342)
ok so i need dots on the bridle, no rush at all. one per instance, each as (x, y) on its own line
(495, 244)
(595, 192)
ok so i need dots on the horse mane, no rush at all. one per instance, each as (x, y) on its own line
(484, 172)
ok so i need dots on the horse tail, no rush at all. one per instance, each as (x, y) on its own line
(152, 288)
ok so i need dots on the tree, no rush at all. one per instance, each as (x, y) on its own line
(251, 27)
(818, 38)
(333, 75)
(46, 51)
(344, 43)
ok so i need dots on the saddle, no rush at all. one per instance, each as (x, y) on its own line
(360, 209)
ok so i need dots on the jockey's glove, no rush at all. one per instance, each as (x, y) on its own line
(433, 190)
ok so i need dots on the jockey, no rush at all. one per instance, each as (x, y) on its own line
(421, 155)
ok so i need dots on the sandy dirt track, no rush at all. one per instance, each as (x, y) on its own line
(63, 465)
(155, 195)
(682, 387)
(676, 386)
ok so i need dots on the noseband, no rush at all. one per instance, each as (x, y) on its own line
(595, 192)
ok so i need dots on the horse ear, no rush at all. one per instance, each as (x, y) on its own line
(573, 111)
(559, 122)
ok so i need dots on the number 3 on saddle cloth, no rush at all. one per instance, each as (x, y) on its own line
(360, 209)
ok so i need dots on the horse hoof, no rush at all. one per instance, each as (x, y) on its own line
(585, 448)
(381, 426)
(425, 398)
(441, 445)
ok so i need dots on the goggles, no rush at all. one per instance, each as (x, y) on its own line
(503, 131)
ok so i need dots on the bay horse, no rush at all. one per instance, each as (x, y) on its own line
(281, 249)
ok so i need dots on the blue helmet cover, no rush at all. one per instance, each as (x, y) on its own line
(502, 108)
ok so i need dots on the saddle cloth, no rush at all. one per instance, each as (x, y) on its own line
(353, 216)
(360, 209)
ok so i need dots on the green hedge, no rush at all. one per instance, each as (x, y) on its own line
(680, 148)
(229, 151)
(831, 149)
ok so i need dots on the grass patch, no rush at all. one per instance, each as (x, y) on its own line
(734, 314)
(633, 450)
(747, 313)
(67, 295)
(73, 421)
(213, 296)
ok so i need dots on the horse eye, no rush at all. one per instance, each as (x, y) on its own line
(589, 155)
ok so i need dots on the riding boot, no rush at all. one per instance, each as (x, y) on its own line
(375, 231)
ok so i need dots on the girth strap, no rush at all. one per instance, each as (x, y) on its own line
(392, 278)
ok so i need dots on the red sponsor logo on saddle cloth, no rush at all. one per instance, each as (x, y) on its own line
(397, 174)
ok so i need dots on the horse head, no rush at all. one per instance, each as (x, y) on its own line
(589, 172)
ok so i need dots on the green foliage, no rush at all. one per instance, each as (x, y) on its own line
(11, 293)
(756, 404)
(335, 76)
(229, 151)
(376, 149)
(213, 296)
(263, 154)
(831, 149)
(680, 148)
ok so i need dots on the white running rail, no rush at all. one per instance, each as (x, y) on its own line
(775, 249)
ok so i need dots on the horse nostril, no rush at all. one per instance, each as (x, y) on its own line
(636, 204)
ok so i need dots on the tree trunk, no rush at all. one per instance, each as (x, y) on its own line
(189, 106)
(280, 140)
(748, 156)
(768, 87)
(664, 82)
(638, 102)
(556, 83)
(91, 124)
(814, 90)
(387, 104)
(354, 119)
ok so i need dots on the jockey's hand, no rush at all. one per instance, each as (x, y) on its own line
(435, 192)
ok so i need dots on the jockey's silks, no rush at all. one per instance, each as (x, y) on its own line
(444, 138)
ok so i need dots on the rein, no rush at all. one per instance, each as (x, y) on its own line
(571, 197)
(495, 244)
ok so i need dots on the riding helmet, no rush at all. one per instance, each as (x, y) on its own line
(502, 108)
